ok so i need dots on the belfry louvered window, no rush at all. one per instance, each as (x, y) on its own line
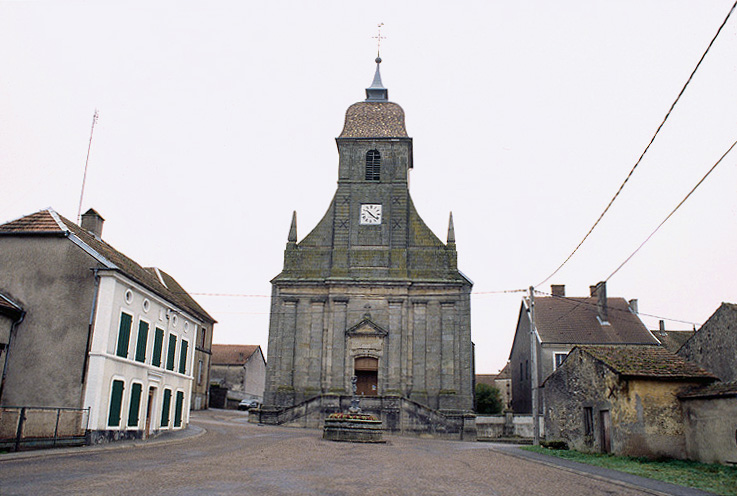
(373, 165)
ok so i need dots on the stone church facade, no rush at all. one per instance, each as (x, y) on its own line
(371, 292)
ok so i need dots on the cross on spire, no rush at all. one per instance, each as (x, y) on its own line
(378, 39)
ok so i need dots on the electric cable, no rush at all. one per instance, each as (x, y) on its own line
(657, 131)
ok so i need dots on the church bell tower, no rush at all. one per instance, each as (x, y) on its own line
(371, 292)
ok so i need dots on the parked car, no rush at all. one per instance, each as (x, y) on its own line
(248, 404)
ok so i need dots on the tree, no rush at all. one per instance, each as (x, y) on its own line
(488, 399)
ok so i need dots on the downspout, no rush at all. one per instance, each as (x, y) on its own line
(90, 326)
(7, 350)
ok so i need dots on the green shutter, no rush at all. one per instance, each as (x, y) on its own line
(183, 357)
(116, 400)
(142, 341)
(171, 352)
(135, 405)
(165, 408)
(158, 344)
(124, 335)
(178, 409)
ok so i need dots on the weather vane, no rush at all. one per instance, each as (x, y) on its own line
(378, 40)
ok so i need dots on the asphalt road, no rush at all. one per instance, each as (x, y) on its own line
(223, 454)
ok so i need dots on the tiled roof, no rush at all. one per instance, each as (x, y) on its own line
(48, 220)
(374, 120)
(715, 390)
(673, 340)
(646, 361)
(574, 321)
(485, 379)
(41, 222)
(232, 354)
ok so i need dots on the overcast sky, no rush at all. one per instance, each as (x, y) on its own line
(218, 119)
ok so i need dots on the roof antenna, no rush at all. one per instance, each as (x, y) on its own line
(84, 178)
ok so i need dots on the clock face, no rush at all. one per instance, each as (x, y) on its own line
(370, 214)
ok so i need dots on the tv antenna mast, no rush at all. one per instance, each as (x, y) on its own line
(86, 162)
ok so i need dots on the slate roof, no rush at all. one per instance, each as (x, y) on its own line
(574, 321)
(673, 340)
(715, 390)
(374, 120)
(232, 354)
(48, 221)
(653, 362)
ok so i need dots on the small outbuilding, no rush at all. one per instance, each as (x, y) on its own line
(710, 417)
(621, 400)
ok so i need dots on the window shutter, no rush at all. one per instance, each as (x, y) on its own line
(135, 405)
(183, 357)
(171, 352)
(166, 408)
(124, 334)
(178, 409)
(142, 341)
(116, 400)
(158, 345)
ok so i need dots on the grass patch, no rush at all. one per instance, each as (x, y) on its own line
(719, 479)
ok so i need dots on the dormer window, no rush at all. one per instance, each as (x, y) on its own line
(373, 165)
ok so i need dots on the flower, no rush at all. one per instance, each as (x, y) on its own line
(351, 416)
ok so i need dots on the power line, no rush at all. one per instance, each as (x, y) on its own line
(657, 131)
(673, 211)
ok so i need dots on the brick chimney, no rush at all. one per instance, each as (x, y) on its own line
(634, 306)
(92, 222)
(599, 291)
(662, 328)
(558, 290)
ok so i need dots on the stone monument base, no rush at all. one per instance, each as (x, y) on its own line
(353, 428)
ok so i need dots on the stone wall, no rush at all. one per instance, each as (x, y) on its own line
(714, 346)
(491, 427)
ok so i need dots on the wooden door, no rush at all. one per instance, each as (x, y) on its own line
(367, 376)
(149, 408)
(606, 434)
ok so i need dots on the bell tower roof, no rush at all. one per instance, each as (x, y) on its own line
(375, 117)
(376, 92)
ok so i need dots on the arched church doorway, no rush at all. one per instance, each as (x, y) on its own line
(367, 376)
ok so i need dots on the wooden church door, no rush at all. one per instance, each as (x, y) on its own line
(367, 376)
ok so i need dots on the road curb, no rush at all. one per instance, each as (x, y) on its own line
(191, 432)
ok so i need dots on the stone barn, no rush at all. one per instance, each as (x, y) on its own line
(621, 400)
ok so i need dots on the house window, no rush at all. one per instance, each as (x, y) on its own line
(158, 345)
(203, 335)
(124, 335)
(178, 409)
(183, 357)
(521, 372)
(116, 400)
(166, 408)
(588, 421)
(171, 352)
(373, 165)
(135, 406)
(199, 372)
(559, 359)
(142, 341)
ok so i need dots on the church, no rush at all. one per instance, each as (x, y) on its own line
(372, 293)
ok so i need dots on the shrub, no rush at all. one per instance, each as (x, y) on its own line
(488, 399)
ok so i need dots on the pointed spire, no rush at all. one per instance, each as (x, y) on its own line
(376, 92)
(451, 230)
(293, 229)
